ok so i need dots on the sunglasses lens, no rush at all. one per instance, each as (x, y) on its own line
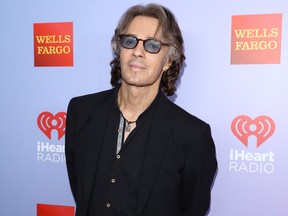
(128, 42)
(152, 46)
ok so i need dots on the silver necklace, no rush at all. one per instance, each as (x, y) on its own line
(128, 125)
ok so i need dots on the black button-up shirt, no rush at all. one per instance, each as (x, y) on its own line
(116, 184)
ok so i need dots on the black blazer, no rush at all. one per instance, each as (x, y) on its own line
(178, 168)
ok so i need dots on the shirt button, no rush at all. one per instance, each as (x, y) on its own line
(113, 181)
(108, 205)
(118, 156)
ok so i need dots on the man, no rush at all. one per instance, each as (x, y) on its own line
(129, 150)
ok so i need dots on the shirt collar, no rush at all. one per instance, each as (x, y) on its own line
(150, 108)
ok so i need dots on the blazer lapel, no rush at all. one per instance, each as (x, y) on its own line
(97, 129)
(155, 149)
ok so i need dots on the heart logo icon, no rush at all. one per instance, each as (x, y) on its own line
(47, 122)
(261, 127)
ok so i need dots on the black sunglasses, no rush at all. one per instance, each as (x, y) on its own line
(150, 45)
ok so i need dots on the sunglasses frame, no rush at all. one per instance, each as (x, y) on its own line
(144, 42)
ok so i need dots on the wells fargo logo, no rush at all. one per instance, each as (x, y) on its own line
(47, 122)
(261, 127)
(53, 44)
(256, 39)
(54, 210)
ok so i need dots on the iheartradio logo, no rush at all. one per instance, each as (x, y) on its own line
(47, 122)
(262, 127)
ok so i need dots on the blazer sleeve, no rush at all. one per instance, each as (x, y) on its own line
(69, 149)
(198, 174)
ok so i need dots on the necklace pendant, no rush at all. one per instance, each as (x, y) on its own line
(128, 128)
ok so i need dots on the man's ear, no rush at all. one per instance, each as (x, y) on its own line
(167, 66)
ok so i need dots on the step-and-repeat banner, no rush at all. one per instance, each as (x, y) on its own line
(235, 78)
